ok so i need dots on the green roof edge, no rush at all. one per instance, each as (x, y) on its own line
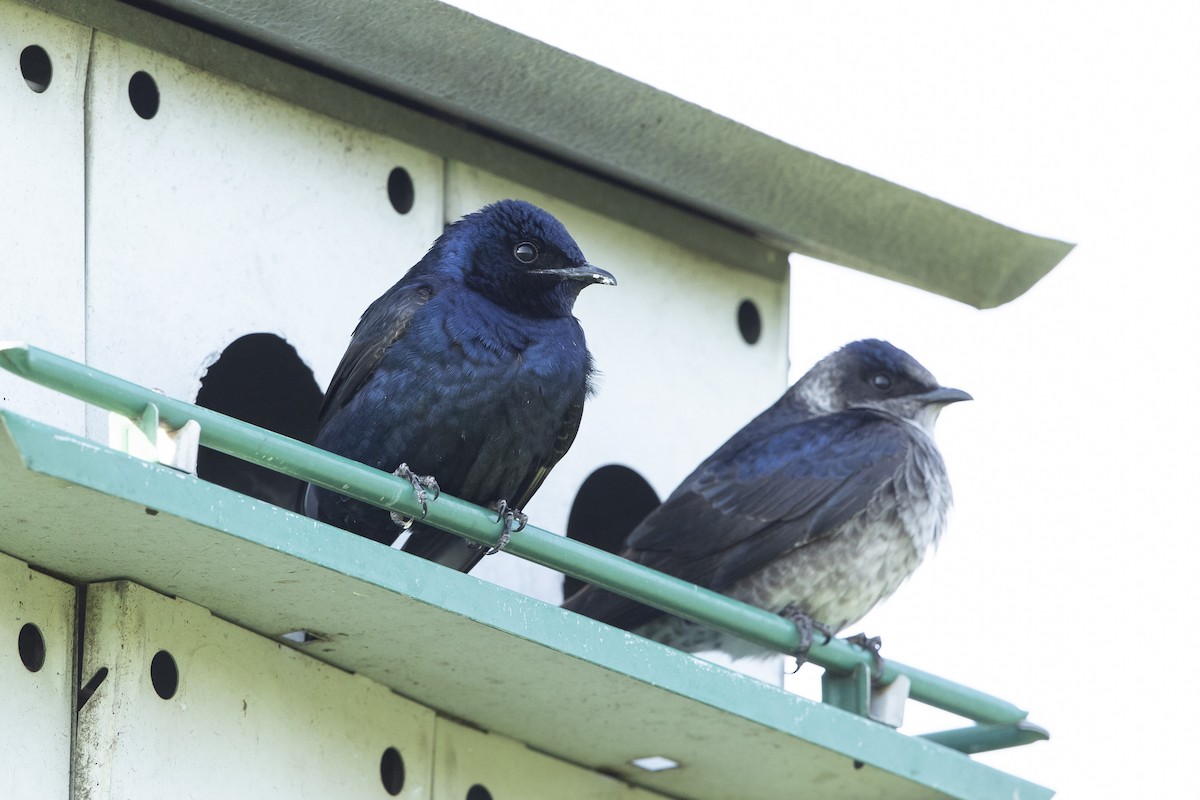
(585, 133)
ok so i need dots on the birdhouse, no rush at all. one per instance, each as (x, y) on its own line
(201, 199)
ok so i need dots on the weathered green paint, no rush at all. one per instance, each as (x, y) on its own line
(481, 526)
(566, 685)
(980, 738)
(426, 73)
(850, 691)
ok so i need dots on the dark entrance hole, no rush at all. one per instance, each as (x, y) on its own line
(143, 95)
(610, 504)
(164, 675)
(749, 322)
(32, 647)
(259, 379)
(391, 771)
(36, 68)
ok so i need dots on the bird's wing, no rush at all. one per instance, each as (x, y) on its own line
(739, 511)
(457, 553)
(562, 443)
(383, 323)
(734, 516)
(443, 548)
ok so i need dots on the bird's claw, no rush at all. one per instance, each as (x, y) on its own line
(422, 485)
(806, 626)
(872, 645)
(508, 516)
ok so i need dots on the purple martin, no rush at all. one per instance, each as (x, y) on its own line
(471, 370)
(817, 509)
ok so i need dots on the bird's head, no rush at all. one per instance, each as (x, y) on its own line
(874, 374)
(522, 258)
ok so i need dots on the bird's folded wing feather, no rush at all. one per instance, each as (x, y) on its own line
(562, 443)
(731, 518)
(383, 323)
(738, 513)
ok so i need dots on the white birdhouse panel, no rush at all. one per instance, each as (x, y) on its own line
(42, 163)
(193, 706)
(215, 211)
(37, 682)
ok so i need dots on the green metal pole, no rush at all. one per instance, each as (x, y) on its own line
(311, 464)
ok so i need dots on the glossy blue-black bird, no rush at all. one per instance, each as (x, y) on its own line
(817, 509)
(472, 370)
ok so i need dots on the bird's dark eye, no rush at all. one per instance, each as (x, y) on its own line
(881, 381)
(526, 252)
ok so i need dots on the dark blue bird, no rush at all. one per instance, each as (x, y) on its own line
(471, 370)
(818, 509)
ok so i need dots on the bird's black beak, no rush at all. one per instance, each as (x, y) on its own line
(585, 273)
(944, 395)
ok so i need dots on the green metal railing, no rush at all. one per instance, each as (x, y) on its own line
(1000, 724)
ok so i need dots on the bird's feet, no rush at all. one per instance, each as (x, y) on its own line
(871, 644)
(514, 521)
(806, 627)
(422, 485)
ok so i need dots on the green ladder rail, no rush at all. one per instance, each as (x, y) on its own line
(999, 723)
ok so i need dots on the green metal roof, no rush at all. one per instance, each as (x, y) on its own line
(473, 91)
(568, 686)
(572, 687)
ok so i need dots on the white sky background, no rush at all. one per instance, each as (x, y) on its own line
(1067, 580)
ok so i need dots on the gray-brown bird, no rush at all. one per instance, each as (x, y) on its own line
(818, 509)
